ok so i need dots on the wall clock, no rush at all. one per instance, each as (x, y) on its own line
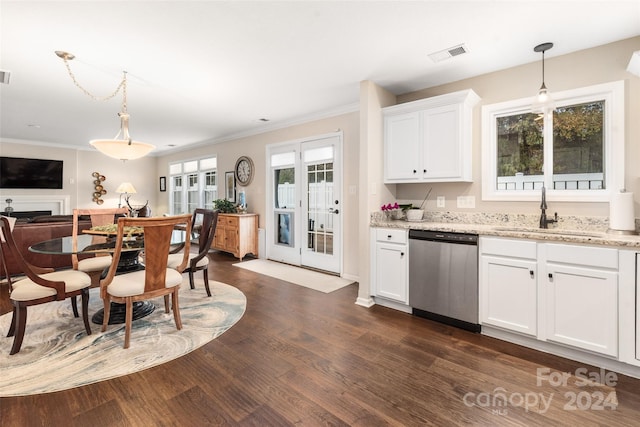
(244, 170)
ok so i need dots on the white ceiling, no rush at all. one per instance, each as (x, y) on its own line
(209, 70)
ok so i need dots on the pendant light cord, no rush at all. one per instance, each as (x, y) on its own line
(122, 85)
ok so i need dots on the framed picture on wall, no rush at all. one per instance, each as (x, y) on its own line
(163, 183)
(230, 186)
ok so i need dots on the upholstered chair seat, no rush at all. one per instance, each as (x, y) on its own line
(100, 263)
(27, 289)
(176, 259)
(130, 284)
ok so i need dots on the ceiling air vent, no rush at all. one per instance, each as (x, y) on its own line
(4, 77)
(448, 53)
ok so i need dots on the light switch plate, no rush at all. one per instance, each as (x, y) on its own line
(440, 201)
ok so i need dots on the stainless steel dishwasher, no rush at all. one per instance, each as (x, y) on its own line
(443, 277)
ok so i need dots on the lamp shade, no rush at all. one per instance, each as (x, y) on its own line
(126, 187)
(122, 149)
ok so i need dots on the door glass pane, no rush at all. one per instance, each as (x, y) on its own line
(320, 207)
(284, 228)
(520, 152)
(285, 188)
(578, 147)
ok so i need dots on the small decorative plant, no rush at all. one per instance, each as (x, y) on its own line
(224, 206)
(389, 207)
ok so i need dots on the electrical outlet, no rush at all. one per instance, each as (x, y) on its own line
(440, 201)
(466, 202)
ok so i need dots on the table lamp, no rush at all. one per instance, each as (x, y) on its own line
(125, 188)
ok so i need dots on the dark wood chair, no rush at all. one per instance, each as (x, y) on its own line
(156, 279)
(204, 223)
(41, 286)
(94, 265)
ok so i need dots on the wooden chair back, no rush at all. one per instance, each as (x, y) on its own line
(207, 227)
(157, 234)
(98, 217)
(9, 245)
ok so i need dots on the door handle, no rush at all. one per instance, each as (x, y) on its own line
(334, 211)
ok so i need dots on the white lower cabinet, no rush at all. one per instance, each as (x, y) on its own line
(390, 264)
(559, 293)
(508, 289)
(581, 287)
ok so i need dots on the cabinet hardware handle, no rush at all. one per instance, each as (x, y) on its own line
(550, 275)
(414, 171)
(424, 171)
(389, 236)
(531, 273)
(401, 253)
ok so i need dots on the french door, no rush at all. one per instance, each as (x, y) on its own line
(304, 218)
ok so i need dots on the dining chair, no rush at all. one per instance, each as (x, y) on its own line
(204, 221)
(96, 264)
(42, 285)
(156, 279)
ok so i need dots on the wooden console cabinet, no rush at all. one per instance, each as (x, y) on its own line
(237, 234)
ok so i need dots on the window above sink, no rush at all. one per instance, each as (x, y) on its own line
(576, 152)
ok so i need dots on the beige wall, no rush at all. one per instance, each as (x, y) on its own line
(589, 67)
(254, 146)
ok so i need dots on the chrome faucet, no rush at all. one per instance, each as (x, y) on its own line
(544, 222)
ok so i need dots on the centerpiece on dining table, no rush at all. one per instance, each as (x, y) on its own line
(130, 232)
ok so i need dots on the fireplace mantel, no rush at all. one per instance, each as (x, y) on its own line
(58, 205)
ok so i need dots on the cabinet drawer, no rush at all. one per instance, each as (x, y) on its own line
(391, 235)
(227, 221)
(512, 248)
(582, 255)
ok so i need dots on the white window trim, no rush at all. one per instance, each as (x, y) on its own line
(613, 95)
(185, 183)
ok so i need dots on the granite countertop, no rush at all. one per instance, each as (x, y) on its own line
(589, 230)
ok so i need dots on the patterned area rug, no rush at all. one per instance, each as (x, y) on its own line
(57, 354)
(300, 276)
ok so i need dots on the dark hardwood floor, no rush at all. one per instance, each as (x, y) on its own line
(301, 357)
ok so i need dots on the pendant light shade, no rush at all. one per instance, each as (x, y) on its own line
(122, 146)
(543, 102)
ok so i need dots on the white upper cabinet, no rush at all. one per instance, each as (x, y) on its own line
(429, 140)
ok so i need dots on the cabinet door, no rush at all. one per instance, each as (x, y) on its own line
(231, 239)
(441, 150)
(401, 147)
(391, 264)
(582, 308)
(508, 294)
(219, 236)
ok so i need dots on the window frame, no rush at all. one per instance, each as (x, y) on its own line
(614, 145)
(200, 171)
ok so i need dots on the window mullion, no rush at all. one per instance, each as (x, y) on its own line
(547, 168)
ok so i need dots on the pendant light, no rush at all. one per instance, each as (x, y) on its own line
(122, 146)
(543, 102)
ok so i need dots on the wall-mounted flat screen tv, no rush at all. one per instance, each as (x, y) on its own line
(17, 172)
